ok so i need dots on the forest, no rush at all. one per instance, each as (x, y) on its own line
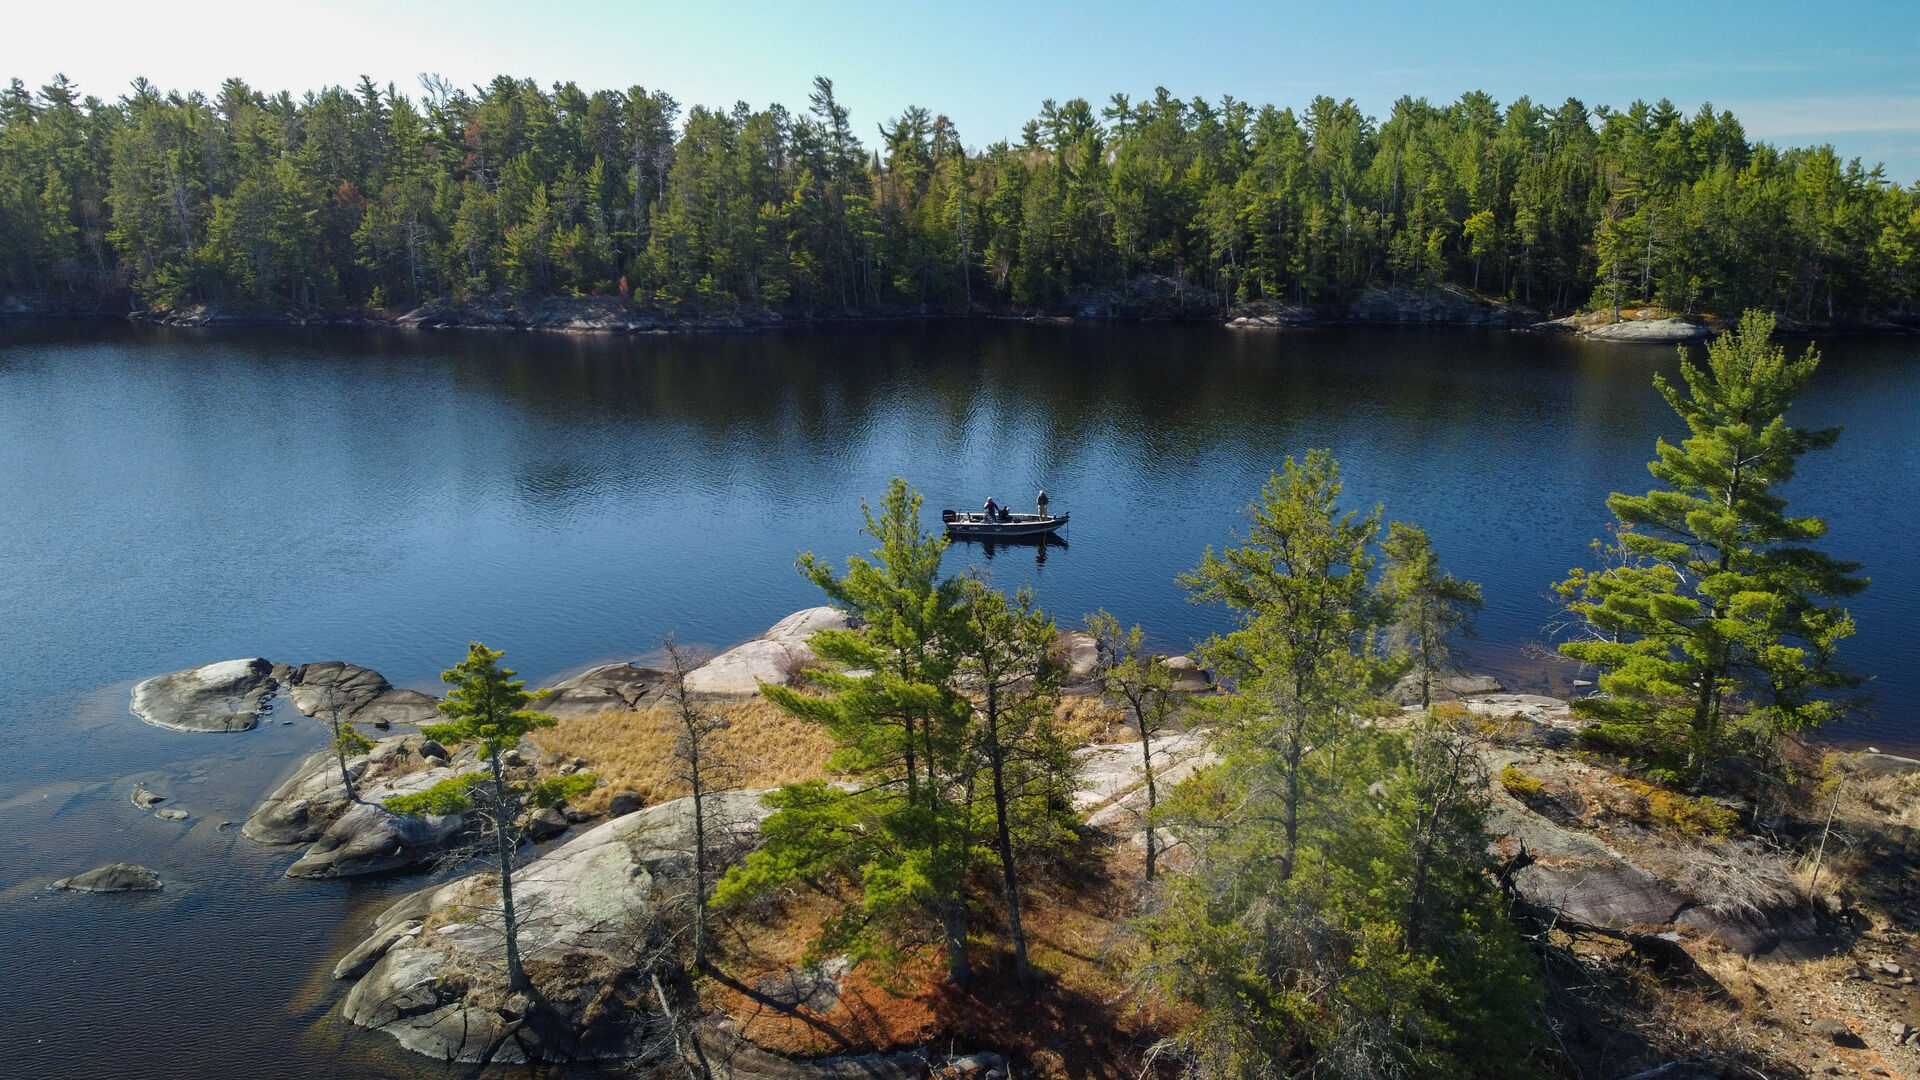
(364, 197)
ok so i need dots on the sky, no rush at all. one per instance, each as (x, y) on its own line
(1844, 72)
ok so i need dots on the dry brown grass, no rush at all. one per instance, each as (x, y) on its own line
(1092, 719)
(763, 747)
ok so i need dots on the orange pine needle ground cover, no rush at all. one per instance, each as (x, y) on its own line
(1083, 1021)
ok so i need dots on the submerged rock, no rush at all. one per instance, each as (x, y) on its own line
(114, 877)
(589, 904)
(227, 696)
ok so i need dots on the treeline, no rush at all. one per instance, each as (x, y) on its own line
(366, 196)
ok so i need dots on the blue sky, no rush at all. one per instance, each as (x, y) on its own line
(1845, 73)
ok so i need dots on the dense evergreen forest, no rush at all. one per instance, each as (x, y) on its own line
(366, 196)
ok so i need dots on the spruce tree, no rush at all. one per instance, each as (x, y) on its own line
(1715, 626)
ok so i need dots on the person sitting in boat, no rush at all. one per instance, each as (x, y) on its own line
(1006, 514)
(993, 509)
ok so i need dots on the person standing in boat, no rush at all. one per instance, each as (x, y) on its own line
(1042, 500)
(993, 509)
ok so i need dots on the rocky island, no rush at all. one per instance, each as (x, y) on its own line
(1587, 851)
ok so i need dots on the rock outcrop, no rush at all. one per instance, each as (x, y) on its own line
(362, 695)
(1650, 331)
(1443, 688)
(776, 657)
(367, 838)
(1400, 305)
(302, 808)
(592, 907)
(227, 696)
(609, 686)
(361, 836)
(1644, 325)
(114, 877)
(1636, 877)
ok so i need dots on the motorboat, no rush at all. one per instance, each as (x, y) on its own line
(1005, 525)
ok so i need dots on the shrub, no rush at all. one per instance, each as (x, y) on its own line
(1518, 784)
(555, 790)
(449, 796)
(1689, 816)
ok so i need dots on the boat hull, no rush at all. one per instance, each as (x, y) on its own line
(977, 527)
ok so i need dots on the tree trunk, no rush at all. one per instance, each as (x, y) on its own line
(1010, 877)
(516, 976)
(699, 866)
(1153, 799)
(953, 922)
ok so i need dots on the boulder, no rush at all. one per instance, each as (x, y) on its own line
(368, 839)
(300, 810)
(545, 824)
(1444, 688)
(1651, 331)
(362, 695)
(227, 696)
(1600, 893)
(775, 657)
(623, 802)
(1188, 678)
(145, 799)
(363, 956)
(1837, 1032)
(587, 903)
(113, 877)
(1080, 652)
(609, 686)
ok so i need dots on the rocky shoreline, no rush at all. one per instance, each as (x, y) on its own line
(1145, 299)
(599, 899)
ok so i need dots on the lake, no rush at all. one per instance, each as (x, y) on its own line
(170, 498)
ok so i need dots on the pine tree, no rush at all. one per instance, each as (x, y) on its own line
(1426, 606)
(1301, 657)
(1007, 670)
(1716, 628)
(905, 831)
(487, 706)
(1145, 683)
(1338, 918)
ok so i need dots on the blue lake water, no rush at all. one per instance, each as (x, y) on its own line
(170, 498)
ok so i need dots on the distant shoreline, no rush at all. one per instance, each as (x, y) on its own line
(1440, 308)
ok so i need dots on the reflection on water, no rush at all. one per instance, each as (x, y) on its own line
(169, 498)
